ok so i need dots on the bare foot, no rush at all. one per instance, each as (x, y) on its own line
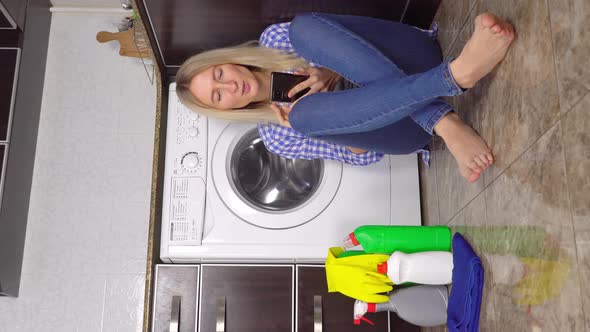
(471, 152)
(484, 50)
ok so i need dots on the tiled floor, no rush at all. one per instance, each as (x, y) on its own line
(529, 216)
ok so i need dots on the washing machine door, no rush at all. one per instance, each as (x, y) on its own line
(267, 190)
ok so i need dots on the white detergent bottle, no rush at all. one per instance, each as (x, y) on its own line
(428, 267)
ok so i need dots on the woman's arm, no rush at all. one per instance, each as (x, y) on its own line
(288, 143)
(277, 36)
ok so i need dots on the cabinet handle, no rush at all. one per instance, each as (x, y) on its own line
(221, 307)
(317, 314)
(175, 314)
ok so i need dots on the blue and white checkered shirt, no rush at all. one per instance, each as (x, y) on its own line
(291, 144)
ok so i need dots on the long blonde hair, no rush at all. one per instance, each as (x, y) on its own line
(248, 54)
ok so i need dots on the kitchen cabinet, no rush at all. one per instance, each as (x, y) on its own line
(254, 297)
(23, 52)
(9, 58)
(184, 28)
(259, 297)
(337, 309)
(6, 21)
(12, 13)
(176, 298)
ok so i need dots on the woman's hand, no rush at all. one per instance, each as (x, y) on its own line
(282, 113)
(320, 80)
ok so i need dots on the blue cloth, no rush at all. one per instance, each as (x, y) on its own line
(378, 47)
(465, 298)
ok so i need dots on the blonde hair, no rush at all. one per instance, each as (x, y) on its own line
(248, 54)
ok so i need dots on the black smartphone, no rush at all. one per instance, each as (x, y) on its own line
(282, 83)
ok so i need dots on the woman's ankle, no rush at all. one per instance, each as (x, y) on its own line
(447, 124)
(460, 74)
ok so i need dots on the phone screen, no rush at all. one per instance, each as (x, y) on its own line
(282, 83)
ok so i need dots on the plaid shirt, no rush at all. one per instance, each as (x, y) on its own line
(291, 144)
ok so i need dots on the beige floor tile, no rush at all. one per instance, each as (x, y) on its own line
(576, 139)
(451, 17)
(571, 43)
(531, 191)
(530, 194)
(582, 227)
(435, 329)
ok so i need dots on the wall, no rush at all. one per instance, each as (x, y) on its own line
(85, 253)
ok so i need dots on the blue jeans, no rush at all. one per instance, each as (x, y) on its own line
(400, 74)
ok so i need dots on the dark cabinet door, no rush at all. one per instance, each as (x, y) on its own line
(257, 298)
(6, 21)
(175, 297)
(184, 28)
(2, 160)
(13, 12)
(8, 64)
(337, 309)
(23, 122)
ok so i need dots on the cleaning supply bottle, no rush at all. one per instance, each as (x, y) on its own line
(422, 305)
(428, 268)
(408, 239)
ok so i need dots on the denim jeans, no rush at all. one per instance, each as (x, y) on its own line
(400, 74)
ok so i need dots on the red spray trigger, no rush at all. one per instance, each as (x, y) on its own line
(367, 320)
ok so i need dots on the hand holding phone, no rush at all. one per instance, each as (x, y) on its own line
(282, 83)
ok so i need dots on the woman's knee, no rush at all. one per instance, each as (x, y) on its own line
(306, 28)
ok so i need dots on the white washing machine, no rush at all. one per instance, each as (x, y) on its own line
(226, 198)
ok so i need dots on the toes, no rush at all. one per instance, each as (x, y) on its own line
(484, 160)
(474, 177)
(511, 32)
(474, 167)
(508, 30)
(483, 165)
(490, 158)
(496, 28)
(486, 19)
(468, 174)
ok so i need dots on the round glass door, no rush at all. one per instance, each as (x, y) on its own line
(266, 190)
(271, 182)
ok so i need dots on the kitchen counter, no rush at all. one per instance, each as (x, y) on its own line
(157, 175)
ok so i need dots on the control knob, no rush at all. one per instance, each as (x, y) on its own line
(193, 131)
(190, 161)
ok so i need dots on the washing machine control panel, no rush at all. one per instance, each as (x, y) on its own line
(185, 175)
